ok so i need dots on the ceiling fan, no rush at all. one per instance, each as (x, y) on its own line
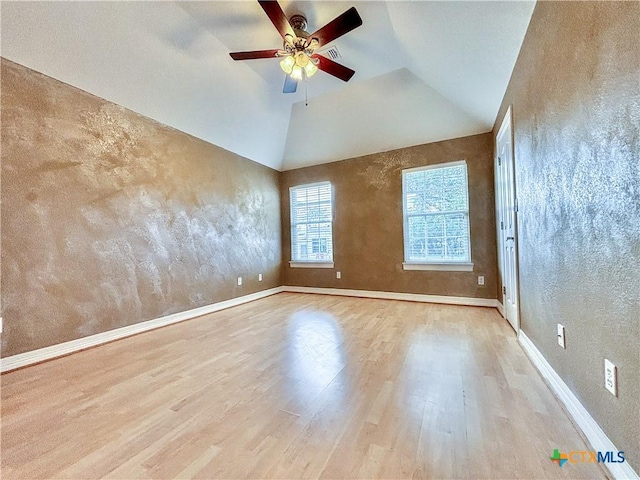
(299, 59)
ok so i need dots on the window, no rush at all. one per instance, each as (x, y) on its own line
(311, 225)
(435, 202)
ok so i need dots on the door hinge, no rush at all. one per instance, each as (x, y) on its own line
(499, 161)
(504, 290)
(515, 207)
(501, 225)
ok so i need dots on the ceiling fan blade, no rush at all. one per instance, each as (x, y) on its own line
(332, 68)
(254, 54)
(338, 27)
(290, 84)
(277, 17)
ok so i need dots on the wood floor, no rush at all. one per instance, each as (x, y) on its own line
(294, 386)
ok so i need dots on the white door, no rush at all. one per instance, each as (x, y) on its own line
(506, 210)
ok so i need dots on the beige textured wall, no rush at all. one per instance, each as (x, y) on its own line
(575, 93)
(110, 218)
(368, 242)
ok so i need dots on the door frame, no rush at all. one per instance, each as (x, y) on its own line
(507, 123)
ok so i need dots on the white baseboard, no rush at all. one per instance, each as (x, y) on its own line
(47, 353)
(410, 297)
(500, 308)
(581, 417)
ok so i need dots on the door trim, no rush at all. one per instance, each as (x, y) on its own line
(507, 123)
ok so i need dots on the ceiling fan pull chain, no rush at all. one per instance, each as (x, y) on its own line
(306, 96)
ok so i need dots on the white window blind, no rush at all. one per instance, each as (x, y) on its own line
(311, 223)
(436, 214)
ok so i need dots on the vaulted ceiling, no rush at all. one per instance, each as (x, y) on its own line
(425, 71)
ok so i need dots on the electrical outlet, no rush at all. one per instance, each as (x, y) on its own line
(611, 377)
(239, 281)
(561, 339)
(259, 277)
(480, 279)
(338, 275)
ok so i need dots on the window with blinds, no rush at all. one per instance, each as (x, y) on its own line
(311, 223)
(436, 214)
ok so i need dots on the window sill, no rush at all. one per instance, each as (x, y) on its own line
(442, 267)
(311, 264)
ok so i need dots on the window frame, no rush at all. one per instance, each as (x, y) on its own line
(449, 265)
(310, 263)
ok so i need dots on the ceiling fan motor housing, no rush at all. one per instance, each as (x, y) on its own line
(299, 22)
(300, 43)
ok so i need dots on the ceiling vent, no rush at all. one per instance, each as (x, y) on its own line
(332, 52)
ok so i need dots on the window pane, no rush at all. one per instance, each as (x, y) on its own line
(436, 190)
(437, 208)
(300, 232)
(435, 248)
(435, 225)
(456, 225)
(456, 248)
(414, 202)
(311, 223)
(417, 227)
(417, 237)
(417, 249)
(414, 182)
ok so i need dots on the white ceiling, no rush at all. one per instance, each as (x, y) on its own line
(425, 71)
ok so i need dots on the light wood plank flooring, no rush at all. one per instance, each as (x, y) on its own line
(294, 386)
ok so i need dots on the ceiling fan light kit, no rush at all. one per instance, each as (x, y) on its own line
(298, 51)
(299, 58)
(287, 64)
(296, 64)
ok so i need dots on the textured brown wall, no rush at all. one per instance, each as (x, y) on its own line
(575, 92)
(368, 242)
(110, 218)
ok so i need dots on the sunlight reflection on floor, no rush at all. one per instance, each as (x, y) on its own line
(315, 349)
